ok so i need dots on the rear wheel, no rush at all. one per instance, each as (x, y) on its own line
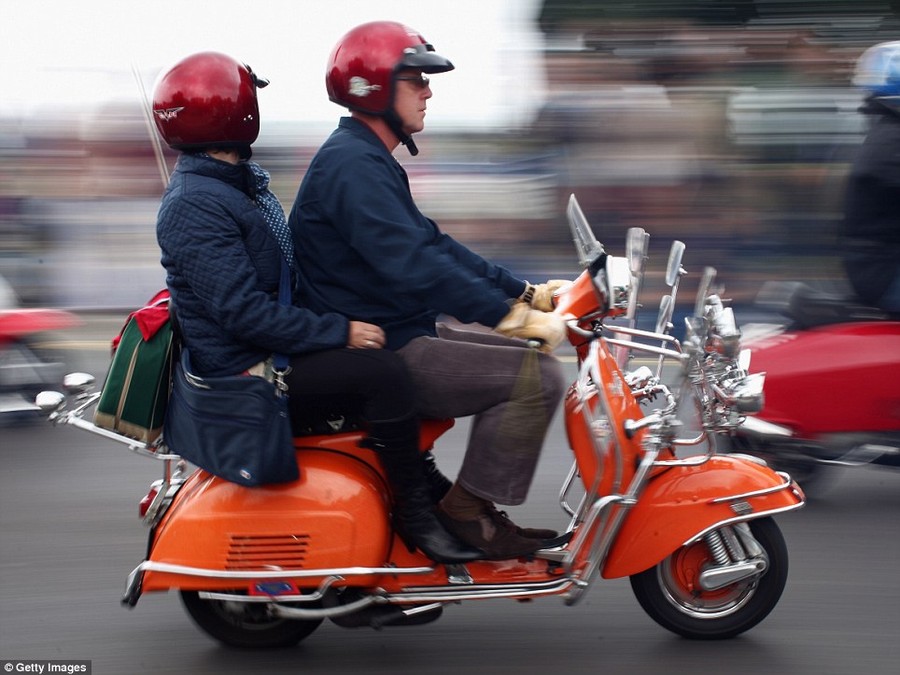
(246, 625)
(671, 593)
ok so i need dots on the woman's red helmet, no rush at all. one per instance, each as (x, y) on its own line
(364, 63)
(207, 100)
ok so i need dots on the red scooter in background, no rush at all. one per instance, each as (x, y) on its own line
(24, 369)
(832, 383)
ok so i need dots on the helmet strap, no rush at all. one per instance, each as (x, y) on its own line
(396, 125)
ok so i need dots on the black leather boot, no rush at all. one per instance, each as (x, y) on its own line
(413, 514)
(438, 484)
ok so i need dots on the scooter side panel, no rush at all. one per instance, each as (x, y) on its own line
(682, 501)
(335, 515)
(832, 379)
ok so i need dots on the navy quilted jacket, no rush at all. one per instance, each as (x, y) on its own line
(223, 266)
(366, 251)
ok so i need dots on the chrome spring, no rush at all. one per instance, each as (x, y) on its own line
(717, 547)
(733, 544)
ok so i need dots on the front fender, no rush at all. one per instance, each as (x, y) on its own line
(683, 502)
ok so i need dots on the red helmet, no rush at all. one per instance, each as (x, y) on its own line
(364, 62)
(207, 99)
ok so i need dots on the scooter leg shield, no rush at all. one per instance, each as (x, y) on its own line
(682, 503)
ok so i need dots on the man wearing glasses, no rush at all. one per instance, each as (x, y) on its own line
(367, 252)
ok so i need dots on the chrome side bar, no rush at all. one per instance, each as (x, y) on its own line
(786, 482)
(133, 581)
(650, 349)
(741, 519)
(450, 594)
(322, 612)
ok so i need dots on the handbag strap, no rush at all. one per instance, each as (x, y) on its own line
(280, 366)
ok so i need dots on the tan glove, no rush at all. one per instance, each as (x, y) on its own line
(530, 324)
(540, 296)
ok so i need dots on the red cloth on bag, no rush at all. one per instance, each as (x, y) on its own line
(149, 318)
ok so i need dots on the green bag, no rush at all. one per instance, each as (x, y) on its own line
(134, 397)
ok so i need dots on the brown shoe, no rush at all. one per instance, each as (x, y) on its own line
(497, 542)
(503, 520)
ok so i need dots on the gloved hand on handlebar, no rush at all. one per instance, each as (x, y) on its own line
(530, 324)
(540, 296)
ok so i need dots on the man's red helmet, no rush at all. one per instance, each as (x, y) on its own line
(207, 100)
(364, 63)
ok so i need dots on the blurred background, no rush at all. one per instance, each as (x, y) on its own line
(728, 124)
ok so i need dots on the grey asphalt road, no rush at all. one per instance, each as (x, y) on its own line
(69, 535)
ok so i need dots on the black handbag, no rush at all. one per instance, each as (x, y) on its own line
(235, 427)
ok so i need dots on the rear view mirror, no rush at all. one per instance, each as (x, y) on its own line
(664, 318)
(706, 282)
(636, 245)
(673, 268)
(589, 249)
(78, 383)
(49, 401)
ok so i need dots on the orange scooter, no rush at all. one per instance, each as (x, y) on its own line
(693, 529)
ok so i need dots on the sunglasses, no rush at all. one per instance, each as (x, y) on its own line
(419, 81)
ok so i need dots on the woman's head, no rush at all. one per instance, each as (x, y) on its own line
(208, 100)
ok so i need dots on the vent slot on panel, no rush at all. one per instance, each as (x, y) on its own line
(286, 551)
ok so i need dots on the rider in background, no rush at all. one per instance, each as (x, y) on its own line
(367, 252)
(223, 237)
(871, 226)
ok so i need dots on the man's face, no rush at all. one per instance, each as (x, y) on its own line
(413, 91)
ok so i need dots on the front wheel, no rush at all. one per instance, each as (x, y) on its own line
(671, 595)
(246, 625)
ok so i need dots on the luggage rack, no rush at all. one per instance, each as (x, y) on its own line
(162, 491)
(54, 401)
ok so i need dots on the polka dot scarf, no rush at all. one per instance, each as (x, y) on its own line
(272, 212)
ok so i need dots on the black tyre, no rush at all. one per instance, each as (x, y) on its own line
(246, 625)
(671, 595)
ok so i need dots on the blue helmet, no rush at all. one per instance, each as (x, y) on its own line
(878, 72)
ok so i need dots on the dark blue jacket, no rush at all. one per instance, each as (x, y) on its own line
(223, 266)
(871, 225)
(367, 252)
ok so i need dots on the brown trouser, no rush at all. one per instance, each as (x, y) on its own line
(511, 389)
